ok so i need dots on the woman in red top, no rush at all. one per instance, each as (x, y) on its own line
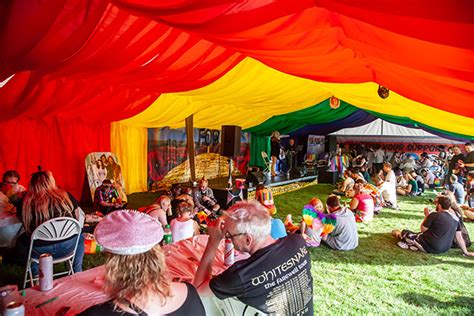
(362, 204)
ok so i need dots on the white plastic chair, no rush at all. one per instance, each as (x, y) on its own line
(56, 229)
(267, 161)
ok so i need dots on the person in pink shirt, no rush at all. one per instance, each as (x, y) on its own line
(362, 204)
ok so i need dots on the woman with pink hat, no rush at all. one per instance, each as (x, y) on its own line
(136, 276)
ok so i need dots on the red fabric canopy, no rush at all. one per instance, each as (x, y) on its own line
(85, 63)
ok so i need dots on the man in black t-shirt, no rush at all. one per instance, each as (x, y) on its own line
(468, 161)
(454, 166)
(438, 230)
(276, 278)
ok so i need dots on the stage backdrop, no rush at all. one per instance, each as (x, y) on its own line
(168, 156)
(401, 144)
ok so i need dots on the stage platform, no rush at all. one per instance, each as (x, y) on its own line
(269, 181)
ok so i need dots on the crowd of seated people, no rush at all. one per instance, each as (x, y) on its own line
(251, 228)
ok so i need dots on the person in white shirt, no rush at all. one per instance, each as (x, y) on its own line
(429, 178)
(388, 186)
(184, 227)
(379, 157)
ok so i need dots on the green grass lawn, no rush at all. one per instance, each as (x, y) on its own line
(376, 278)
(379, 277)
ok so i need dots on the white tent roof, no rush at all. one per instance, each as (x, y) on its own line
(380, 127)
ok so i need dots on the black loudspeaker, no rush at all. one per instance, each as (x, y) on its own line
(330, 143)
(255, 177)
(230, 140)
(325, 176)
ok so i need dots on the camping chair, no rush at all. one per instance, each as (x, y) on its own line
(56, 229)
(267, 161)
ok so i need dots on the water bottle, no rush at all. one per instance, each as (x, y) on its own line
(229, 252)
(167, 236)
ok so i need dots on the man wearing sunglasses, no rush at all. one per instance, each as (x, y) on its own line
(275, 279)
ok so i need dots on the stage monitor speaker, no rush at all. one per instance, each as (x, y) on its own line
(230, 140)
(255, 177)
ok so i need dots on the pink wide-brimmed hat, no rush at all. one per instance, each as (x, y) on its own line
(128, 232)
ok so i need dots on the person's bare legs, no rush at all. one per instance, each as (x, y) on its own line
(274, 161)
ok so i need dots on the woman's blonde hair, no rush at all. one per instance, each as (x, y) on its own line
(43, 200)
(131, 278)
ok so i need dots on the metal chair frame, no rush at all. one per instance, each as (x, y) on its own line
(56, 229)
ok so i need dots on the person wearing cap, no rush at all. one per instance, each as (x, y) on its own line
(266, 280)
(136, 276)
(106, 198)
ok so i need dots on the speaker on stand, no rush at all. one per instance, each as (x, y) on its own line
(230, 145)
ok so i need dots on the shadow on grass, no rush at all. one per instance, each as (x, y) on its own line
(391, 214)
(417, 299)
(381, 249)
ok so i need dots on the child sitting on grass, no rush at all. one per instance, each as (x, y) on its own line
(265, 197)
(183, 226)
(315, 223)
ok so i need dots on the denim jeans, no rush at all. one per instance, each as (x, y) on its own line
(58, 250)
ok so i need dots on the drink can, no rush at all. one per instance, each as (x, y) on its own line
(46, 272)
(229, 252)
(14, 308)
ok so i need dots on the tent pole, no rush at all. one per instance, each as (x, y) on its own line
(190, 144)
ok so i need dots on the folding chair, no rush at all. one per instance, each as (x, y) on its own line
(267, 161)
(56, 229)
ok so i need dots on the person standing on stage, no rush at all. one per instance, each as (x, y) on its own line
(274, 150)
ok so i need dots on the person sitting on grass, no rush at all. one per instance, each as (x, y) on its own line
(429, 178)
(458, 212)
(204, 199)
(344, 236)
(345, 189)
(438, 231)
(420, 182)
(160, 209)
(470, 189)
(106, 199)
(410, 187)
(457, 189)
(265, 197)
(386, 185)
(468, 211)
(183, 226)
(362, 204)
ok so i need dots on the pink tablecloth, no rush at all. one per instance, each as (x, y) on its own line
(84, 289)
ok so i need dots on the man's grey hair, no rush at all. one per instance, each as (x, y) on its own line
(250, 217)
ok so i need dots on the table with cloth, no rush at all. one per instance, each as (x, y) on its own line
(84, 289)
